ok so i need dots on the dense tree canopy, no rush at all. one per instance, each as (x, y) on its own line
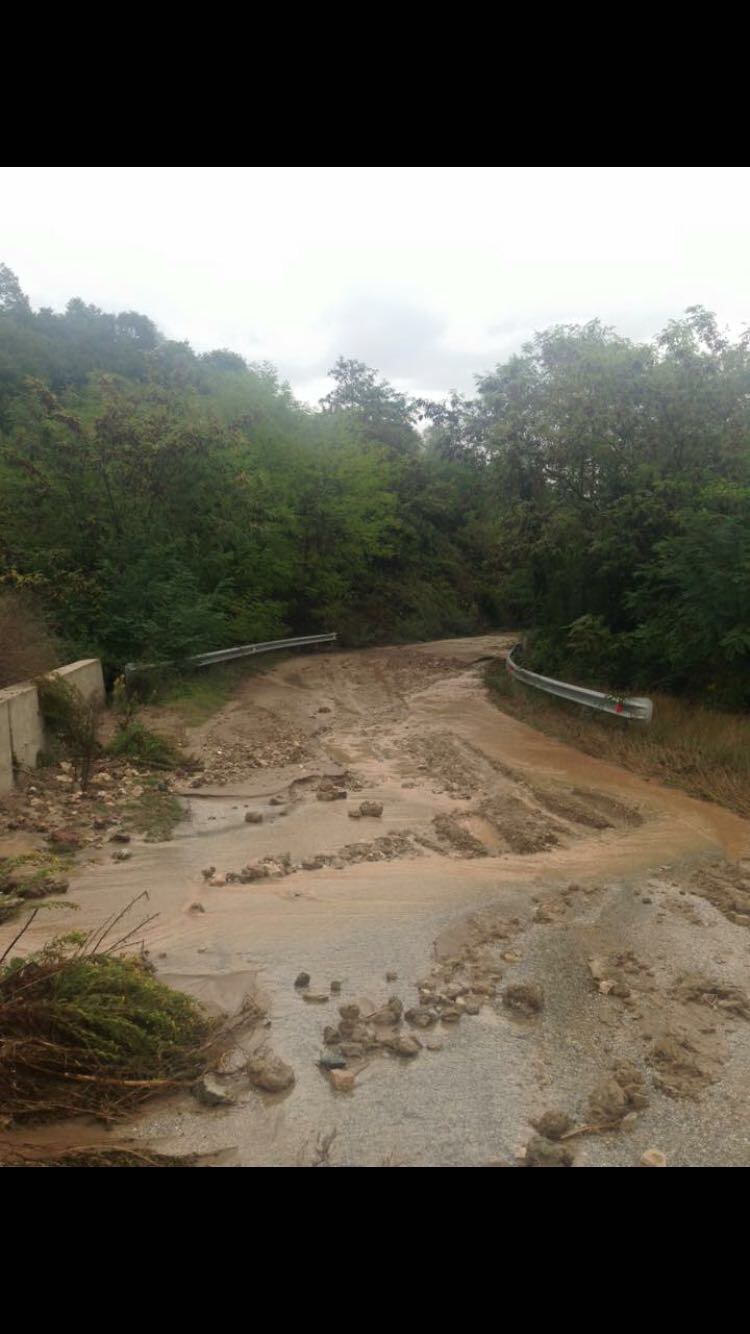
(595, 490)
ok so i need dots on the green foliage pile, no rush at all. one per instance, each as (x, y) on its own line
(160, 503)
(156, 813)
(142, 747)
(86, 1030)
(32, 1156)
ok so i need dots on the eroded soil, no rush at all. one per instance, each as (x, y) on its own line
(523, 930)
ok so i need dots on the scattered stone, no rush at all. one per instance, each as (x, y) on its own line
(334, 1060)
(421, 1017)
(269, 1073)
(342, 1081)
(120, 837)
(211, 1093)
(391, 977)
(401, 1045)
(329, 791)
(8, 906)
(609, 1102)
(526, 999)
(350, 1013)
(355, 815)
(253, 817)
(434, 1045)
(553, 1125)
(543, 1153)
(451, 1015)
(65, 840)
(310, 864)
(633, 1085)
(196, 908)
(209, 872)
(336, 988)
(372, 810)
(40, 889)
(251, 874)
(598, 969)
(303, 981)
(315, 998)
(390, 1015)
(121, 856)
(654, 1158)
(232, 1062)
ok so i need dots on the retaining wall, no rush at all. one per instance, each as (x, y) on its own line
(22, 736)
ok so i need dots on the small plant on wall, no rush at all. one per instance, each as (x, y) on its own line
(73, 721)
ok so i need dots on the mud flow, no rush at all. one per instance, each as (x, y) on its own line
(472, 945)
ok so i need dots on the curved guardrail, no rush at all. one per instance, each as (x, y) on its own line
(229, 654)
(640, 710)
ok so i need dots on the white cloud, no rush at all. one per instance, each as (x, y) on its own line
(430, 273)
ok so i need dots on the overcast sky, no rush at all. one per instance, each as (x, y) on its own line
(428, 273)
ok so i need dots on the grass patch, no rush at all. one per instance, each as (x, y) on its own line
(197, 696)
(34, 875)
(145, 749)
(702, 751)
(47, 864)
(84, 1029)
(155, 814)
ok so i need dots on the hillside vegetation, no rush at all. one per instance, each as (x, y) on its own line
(156, 502)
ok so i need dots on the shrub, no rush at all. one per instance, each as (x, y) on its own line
(138, 744)
(85, 1030)
(74, 720)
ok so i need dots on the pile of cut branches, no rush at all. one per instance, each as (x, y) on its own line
(92, 1157)
(86, 1028)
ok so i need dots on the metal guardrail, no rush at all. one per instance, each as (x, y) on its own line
(640, 710)
(230, 654)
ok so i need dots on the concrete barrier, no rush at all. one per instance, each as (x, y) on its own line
(26, 724)
(86, 676)
(6, 754)
(22, 737)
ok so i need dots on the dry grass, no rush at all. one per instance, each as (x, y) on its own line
(702, 751)
(27, 648)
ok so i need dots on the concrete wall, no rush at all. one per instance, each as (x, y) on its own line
(86, 676)
(6, 757)
(21, 725)
(26, 726)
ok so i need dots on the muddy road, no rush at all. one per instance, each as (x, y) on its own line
(576, 931)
